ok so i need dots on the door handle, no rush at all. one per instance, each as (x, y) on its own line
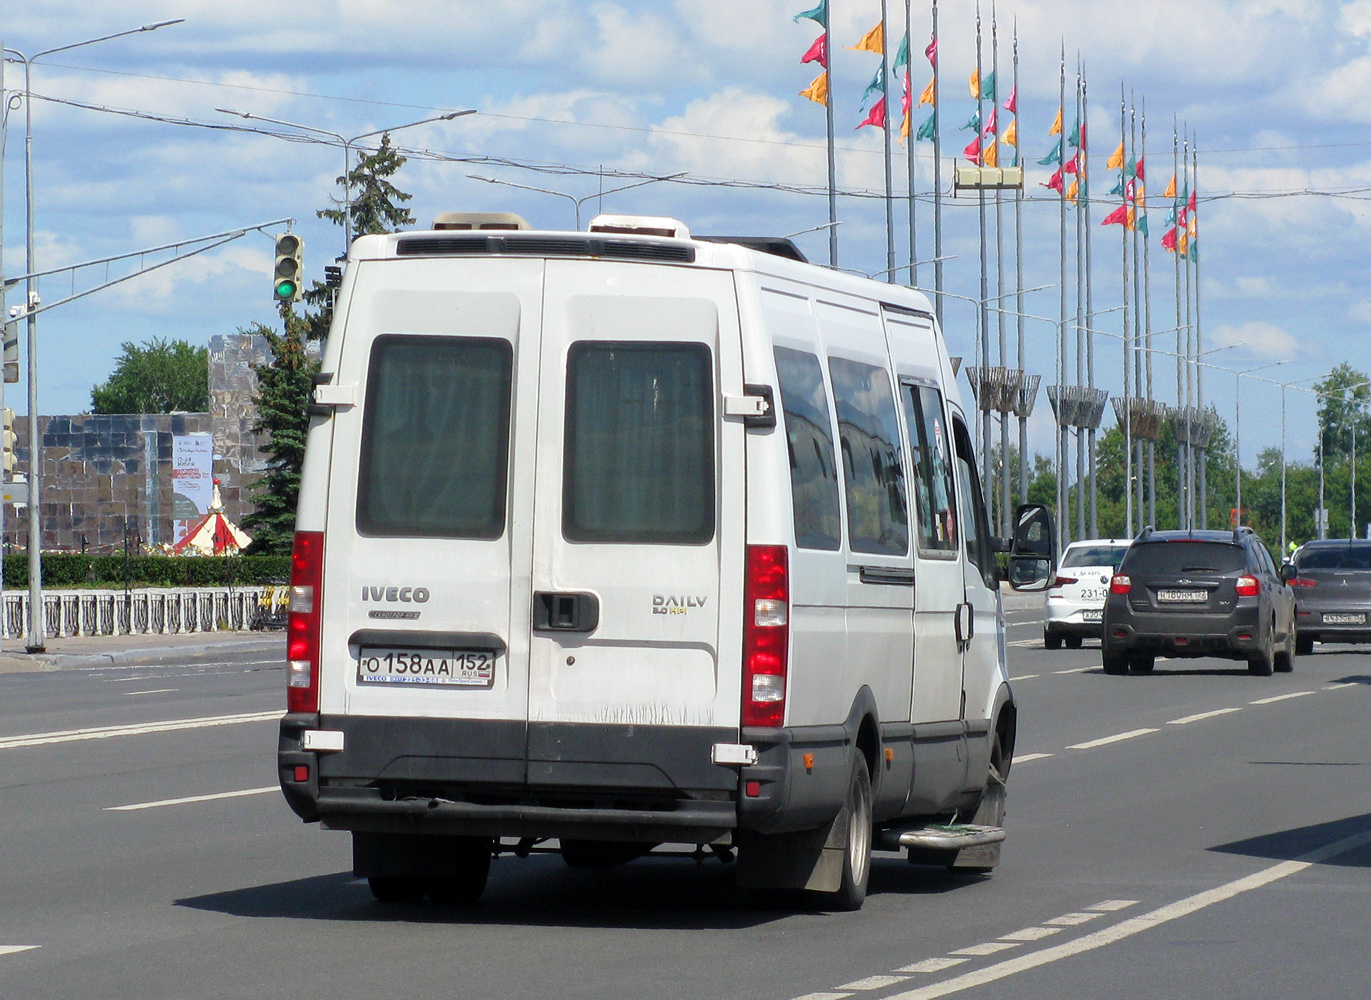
(965, 628)
(565, 611)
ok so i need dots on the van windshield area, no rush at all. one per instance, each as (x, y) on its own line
(1347, 556)
(435, 437)
(1095, 555)
(1166, 558)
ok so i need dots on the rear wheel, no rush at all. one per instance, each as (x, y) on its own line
(1263, 662)
(397, 888)
(1304, 644)
(1285, 656)
(472, 863)
(1051, 640)
(1073, 642)
(1115, 663)
(856, 816)
(1142, 663)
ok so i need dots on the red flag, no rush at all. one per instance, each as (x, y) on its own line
(1118, 217)
(818, 52)
(973, 150)
(989, 126)
(932, 52)
(1070, 165)
(1169, 239)
(1130, 192)
(1138, 173)
(1012, 105)
(1055, 182)
(1191, 204)
(877, 116)
(907, 98)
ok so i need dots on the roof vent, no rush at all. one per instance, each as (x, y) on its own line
(480, 220)
(640, 225)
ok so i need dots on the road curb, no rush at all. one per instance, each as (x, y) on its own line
(141, 657)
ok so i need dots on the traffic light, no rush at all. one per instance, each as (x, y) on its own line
(290, 267)
(8, 439)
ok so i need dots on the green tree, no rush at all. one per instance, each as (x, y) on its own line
(1344, 397)
(158, 377)
(284, 385)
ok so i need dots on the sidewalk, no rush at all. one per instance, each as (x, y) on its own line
(75, 652)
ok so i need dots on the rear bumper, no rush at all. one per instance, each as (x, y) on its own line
(1310, 624)
(1237, 634)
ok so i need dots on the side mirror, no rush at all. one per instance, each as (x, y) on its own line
(1288, 572)
(1033, 549)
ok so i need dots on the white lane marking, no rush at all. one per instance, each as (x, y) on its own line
(130, 694)
(1280, 697)
(1134, 925)
(193, 798)
(823, 996)
(1030, 756)
(14, 949)
(1110, 905)
(1339, 687)
(1116, 738)
(1074, 670)
(138, 729)
(1031, 934)
(873, 983)
(1025, 677)
(932, 965)
(1072, 919)
(988, 948)
(1203, 715)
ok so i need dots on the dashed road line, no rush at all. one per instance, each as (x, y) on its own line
(1203, 715)
(932, 965)
(193, 798)
(1074, 670)
(823, 996)
(987, 948)
(131, 694)
(1073, 919)
(138, 729)
(1030, 934)
(1280, 697)
(1031, 756)
(1111, 905)
(1339, 687)
(1116, 738)
(14, 949)
(1025, 677)
(874, 983)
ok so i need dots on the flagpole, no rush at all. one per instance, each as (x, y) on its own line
(890, 274)
(1183, 487)
(999, 267)
(1018, 276)
(1147, 312)
(832, 159)
(1192, 509)
(1199, 335)
(909, 139)
(983, 413)
(1084, 176)
(1063, 508)
(1080, 312)
(937, 182)
(1138, 360)
(1127, 334)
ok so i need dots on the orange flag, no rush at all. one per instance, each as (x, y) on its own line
(1011, 134)
(991, 156)
(818, 90)
(1170, 191)
(976, 83)
(927, 96)
(1056, 128)
(1073, 190)
(872, 41)
(1116, 159)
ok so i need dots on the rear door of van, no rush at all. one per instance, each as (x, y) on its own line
(426, 580)
(638, 529)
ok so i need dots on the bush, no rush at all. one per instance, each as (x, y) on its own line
(64, 570)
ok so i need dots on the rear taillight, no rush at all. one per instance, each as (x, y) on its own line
(766, 635)
(302, 632)
(1302, 581)
(1120, 584)
(1248, 586)
(1061, 581)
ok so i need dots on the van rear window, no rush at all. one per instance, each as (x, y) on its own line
(435, 437)
(639, 453)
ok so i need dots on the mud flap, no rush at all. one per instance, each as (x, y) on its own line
(812, 860)
(990, 812)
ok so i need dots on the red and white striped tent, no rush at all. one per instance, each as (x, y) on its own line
(214, 534)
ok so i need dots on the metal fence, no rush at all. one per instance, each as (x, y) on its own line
(147, 612)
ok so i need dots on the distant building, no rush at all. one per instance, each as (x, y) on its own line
(107, 477)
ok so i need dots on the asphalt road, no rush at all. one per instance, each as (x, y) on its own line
(1193, 833)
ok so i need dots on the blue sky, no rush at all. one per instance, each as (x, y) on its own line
(1274, 89)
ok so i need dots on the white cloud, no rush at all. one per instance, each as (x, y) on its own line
(1257, 337)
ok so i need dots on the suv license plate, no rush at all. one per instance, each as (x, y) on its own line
(438, 667)
(1183, 596)
(1344, 619)
(1092, 616)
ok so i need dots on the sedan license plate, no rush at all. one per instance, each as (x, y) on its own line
(1344, 619)
(1183, 596)
(1093, 616)
(1089, 595)
(436, 667)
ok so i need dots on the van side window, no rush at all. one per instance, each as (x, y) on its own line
(809, 436)
(435, 437)
(638, 464)
(935, 498)
(877, 518)
(975, 529)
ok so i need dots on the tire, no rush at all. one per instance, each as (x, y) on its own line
(1115, 663)
(1284, 661)
(473, 868)
(856, 816)
(1261, 664)
(397, 888)
(1304, 645)
(602, 853)
(1142, 663)
(1073, 642)
(1051, 640)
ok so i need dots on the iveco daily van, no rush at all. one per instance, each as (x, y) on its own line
(623, 538)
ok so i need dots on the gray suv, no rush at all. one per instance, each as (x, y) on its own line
(1198, 593)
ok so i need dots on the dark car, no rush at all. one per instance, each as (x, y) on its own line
(1198, 593)
(1332, 592)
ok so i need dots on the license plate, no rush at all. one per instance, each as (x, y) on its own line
(1097, 594)
(1344, 619)
(1183, 596)
(436, 667)
(1092, 616)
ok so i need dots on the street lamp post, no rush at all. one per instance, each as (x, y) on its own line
(36, 641)
(1237, 436)
(578, 202)
(347, 151)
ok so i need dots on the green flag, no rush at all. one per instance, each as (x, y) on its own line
(819, 13)
(901, 56)
(927, 128)
(988, 87)
(1053, 157)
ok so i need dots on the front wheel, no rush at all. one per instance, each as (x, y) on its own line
(856, 817)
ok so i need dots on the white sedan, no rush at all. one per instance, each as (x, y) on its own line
(1075, 599)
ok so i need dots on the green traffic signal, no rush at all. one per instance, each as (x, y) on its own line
(285, 290)
(289, 265)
